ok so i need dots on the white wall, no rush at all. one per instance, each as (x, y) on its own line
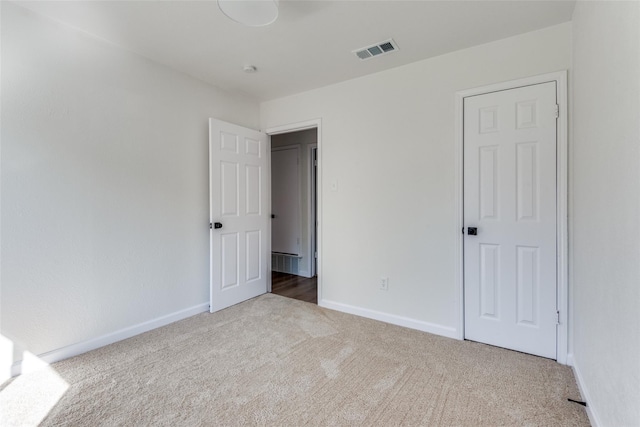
(302, 139)
(285, 200)
(605, 232)
(388, 143)
(104, 185)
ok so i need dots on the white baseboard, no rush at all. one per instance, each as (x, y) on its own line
(407, 322)
(304, 273)
(94, 343)
(593, 417)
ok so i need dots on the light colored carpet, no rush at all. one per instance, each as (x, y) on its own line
(278, 361)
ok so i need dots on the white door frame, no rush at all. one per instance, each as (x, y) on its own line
(560, 78)
(294, 127)
(312, 206)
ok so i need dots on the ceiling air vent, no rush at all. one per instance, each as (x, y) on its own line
(378, 49)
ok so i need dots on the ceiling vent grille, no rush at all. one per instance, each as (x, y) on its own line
(378, 49)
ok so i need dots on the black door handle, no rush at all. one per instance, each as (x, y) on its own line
(472, 231)
(217, 225)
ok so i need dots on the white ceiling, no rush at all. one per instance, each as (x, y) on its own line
(309, 45)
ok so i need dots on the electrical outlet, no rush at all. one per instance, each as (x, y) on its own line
(384, 283)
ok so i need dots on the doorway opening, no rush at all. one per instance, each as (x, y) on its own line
(294, 218)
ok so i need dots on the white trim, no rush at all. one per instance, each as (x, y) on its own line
(293, 127)
(593, 417)
(319, 208)
(560, 77)
(122, 334)
(562, 221)
(407, 322)
(311, 207)
(269, 257)
(570, 359)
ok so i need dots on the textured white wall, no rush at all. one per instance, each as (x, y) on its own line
(104, 185)
(388, 143)
(605, 232)
(303, 139)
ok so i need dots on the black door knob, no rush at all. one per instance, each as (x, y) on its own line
(472, 231)
(217, 225)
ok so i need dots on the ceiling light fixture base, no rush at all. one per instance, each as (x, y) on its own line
(253, 13)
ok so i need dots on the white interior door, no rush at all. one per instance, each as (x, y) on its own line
(239, 196)
(285, 200)
(510, 199)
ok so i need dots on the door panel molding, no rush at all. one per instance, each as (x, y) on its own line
(560, 78)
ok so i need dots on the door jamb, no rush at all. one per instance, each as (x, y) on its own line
(562, 287)
(312, 206)
(293, 127)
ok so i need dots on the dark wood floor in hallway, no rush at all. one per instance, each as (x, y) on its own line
(296, 287)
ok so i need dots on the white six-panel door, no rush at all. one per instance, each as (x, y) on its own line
(510, 198)
(238, 186)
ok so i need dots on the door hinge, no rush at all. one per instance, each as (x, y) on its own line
(557, 111)
(210, 226)
(315, 254)
(315, 163)
(557, 317)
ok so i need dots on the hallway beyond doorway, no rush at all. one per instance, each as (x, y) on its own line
(296, 287)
